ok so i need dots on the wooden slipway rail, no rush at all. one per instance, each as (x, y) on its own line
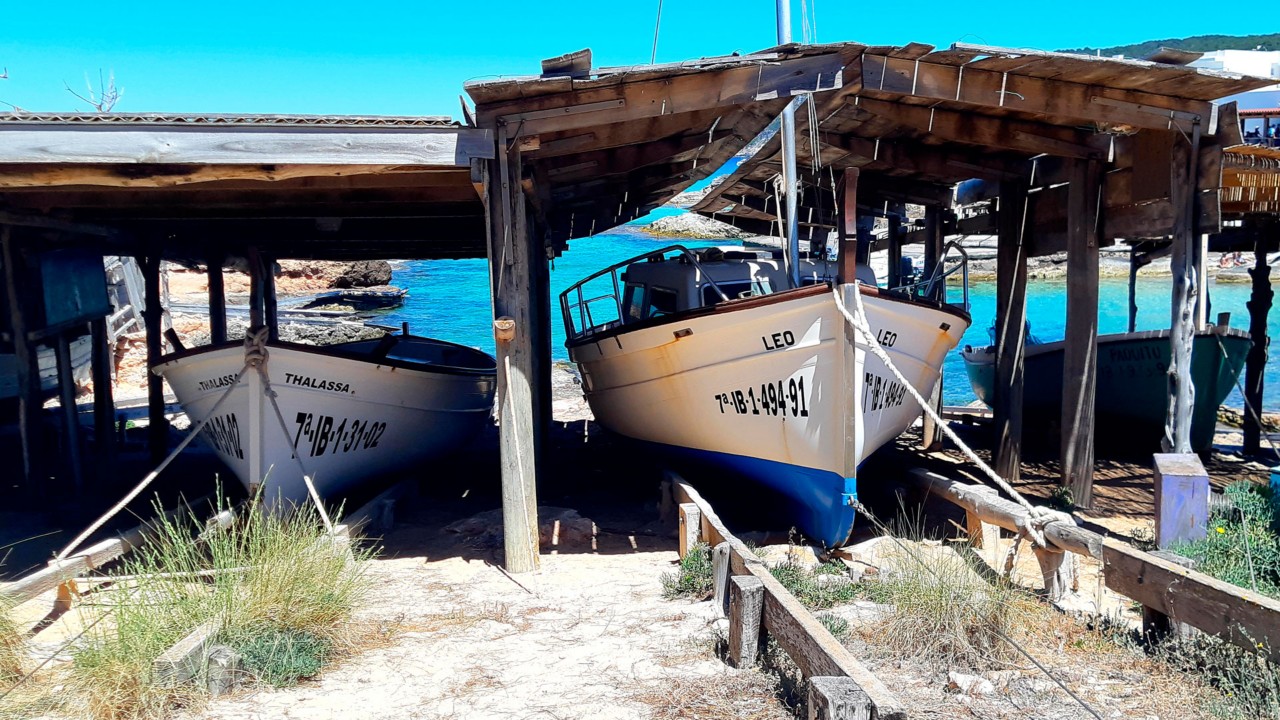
(1233, 613)
(840, 687)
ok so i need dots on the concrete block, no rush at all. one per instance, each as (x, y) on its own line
(1182, 498)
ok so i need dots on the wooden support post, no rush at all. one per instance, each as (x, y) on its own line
(1080, 348)
(1155, 623)
(1182, 196)
(104, 408)
(934, 240)
(1011, 324)
(1182, 499)
(24, 357)
(270, 312)
(515, 313)
(690, 527)
(847, 228)
(257, 289)
(67, 398)
(1200, 250)
(1255, 363)
(746, 610)
(895, 251)
(838, 698)
(153, 315)
(1133, 291)
(721, 572)
(1058, 568)
(983, 536)
(217, 301)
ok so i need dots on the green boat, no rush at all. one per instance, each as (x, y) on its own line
(1132, 393)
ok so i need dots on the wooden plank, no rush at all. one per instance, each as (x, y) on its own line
(70, 420)
(690, 532)
(746, 606)
(721, 572)
(838, 698)
(102, 365)
(435, 147)
(217, 300)
(1011, 322)
(1080, 346)
(186, 659)
(576, 64)
(153, 315)
(24, 357)
(805, 639)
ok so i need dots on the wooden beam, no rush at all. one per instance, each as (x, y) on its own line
(514, 312)
(1011, 335)
(152, 315)
(1182, 306)
(1008, 91)
(102, 362)
(257, 288)
(631, 101)
(1080, 345)
(270, 311)
(217, 299)
(70, 419)
(29, 404)
(1259, 305)
(934, 161)
(847, 228)
(575, 142)
(226, 145)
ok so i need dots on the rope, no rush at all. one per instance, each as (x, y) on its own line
(151, 476)
(1248, 405)
(1037, 517)
(999, 633)
(657, 24)
(256, 355)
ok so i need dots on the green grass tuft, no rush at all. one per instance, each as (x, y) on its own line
(695, 577)
(808, 587)
(1248, 683)
(836, 625)
(277, 579)
(1242, 536)
(280, 658)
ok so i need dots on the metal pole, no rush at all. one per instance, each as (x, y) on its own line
(789, 159)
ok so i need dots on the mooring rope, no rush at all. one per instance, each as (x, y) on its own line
(1037, 517)
(1248, 405)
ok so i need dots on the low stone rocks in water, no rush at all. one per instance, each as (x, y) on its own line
(557, 527)
(364, 273)
(691, 226)
(319, 334)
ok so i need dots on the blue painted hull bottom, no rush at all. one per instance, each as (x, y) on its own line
(816, 502)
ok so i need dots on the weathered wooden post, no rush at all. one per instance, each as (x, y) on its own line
(746, 613)
(104, 408)
(690, 527)
(847, 228)
(1182, 196)
(1011, 324)
(24, 354)
(153, 315)
(931, 432)
(67, 398)
(1080, 348)
(1256, 362)
(721, 572)
(270, 311)
(519, 492)
(1182, 499)
(838, 698)
(257, 289)
(895, 250)
(217, 300)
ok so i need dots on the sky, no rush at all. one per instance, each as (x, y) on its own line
(397, 58)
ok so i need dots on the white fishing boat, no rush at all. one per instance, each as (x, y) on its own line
(711, 358)
(352, 412)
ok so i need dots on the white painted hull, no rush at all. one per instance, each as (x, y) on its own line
(710, 383)
(349, 419)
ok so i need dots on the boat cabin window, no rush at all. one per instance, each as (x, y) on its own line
(632, 302)
(662, 301)
(735, 290)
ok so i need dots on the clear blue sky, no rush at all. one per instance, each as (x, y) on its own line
(398, 58)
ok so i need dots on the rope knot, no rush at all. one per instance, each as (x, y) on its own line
(255, 347)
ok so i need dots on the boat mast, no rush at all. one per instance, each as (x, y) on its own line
(792, 254)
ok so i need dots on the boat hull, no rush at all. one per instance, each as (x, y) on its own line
(80, 351)
(348, 419)
(776, 390)
(1132, 384)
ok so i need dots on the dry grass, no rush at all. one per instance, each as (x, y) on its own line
(283, 593)
(731, 695)
(12, 648)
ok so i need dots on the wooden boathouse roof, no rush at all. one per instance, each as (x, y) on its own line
(917, 121)
(294, 185)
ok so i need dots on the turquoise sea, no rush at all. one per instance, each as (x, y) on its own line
(449, 299)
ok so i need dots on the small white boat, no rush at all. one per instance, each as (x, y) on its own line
(81, 352)
(710, 358)
(353, 411)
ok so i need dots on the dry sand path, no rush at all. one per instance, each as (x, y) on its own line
(587, 636)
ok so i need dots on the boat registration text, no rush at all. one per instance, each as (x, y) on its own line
(320, 434)
(777, 399)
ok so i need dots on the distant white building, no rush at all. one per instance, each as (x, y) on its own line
(1260, 63)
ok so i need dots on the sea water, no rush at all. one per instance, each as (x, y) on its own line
(449, 299)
